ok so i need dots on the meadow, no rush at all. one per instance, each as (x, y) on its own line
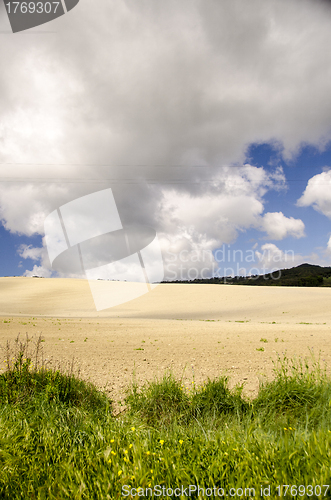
(61, 438)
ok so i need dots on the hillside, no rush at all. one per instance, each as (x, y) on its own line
(303, 275)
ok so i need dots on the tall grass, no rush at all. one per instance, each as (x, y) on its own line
(59, 438)
(300, 392)
(29, 376)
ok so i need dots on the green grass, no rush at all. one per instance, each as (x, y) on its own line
(60, 438)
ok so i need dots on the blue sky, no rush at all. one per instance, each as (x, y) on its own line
(208, 120)
(308, 163)
(11, 262)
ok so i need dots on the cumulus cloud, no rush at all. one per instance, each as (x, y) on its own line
(318, 194)
(329, 245)
(38, 254)
(157, 101)
(278, 226)
(189, 223)
(41, 271)
(142, 83)
(271, 257)
(25, 205)
(29, 252)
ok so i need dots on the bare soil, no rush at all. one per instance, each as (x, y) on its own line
(196, 331)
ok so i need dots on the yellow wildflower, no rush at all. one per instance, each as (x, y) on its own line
(161, 441)
(133, 428)
(181, 441)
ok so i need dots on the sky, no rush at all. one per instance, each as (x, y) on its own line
(209, 120)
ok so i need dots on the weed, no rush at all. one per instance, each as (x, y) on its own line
(215, 399)
(296, 387)
(60, 440)
(158, 401)
(29, 375)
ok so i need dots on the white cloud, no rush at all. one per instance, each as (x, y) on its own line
(189, 223)
(29, 252)
(318, 194)
(203, 216)
(143, 83)
(39, 254)
(278, 226)
(38, 271)
(144, 87)
(271, 257)
(328, 248)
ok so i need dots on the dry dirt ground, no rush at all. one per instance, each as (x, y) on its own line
(196, 331)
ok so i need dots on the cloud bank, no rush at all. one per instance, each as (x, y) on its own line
(160, 101)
